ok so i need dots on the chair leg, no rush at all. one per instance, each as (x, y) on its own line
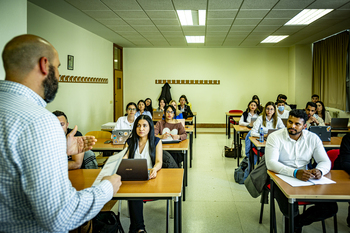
(323, 227)
(171, 210)
(262, 200)
(261, 212)
(167, 217)
(335, 224)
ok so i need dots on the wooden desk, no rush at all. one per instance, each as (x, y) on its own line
(182, 147)
(237, 131)
(228, 115)
(316, 193)
(167, 185)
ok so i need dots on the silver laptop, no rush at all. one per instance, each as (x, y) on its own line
(120, 136)
(133, 170)
(157, 115)
(252, 120)
(324, 132)
(340, 123)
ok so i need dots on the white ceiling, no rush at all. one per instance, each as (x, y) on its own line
(230, 23)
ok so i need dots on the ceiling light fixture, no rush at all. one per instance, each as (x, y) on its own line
(201, 17)
(195, 39)
(185, 17)
(192, 17)
(308, 16)
(273, 39)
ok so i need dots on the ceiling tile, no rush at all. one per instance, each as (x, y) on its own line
(190, 5)
(112, 22)
(337, 14)
(156, 4)
(171, 33)
(219, 21)
(146, 28)
(273, 21)
(223, 14)
(169, 15)
(346, 6)
(224, 4)
(326, 4)
(193, 29)
(122, 5)
(133, 22)
(166, 22)
(88, 4)
(258, 4)
(119, 28)
(282, 14)
(102, 14)
(270, 28)
(294, 4)
(169, 28)
(239, 28)
(288, 30)
(132, 14)
(246, 21)
(252, 13)
(218, 28)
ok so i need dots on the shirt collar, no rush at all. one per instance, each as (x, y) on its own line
(286, 134)
(20, 89)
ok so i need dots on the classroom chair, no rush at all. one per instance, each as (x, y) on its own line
(231, 118)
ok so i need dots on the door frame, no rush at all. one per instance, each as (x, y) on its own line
(121, 69)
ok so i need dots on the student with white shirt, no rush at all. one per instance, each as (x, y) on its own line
(250, 113)
(127, 122)
(141, 109)
(284, 98)
(282, 112)
(143, 145)
(323, 113)
(288, 152)
(313, 118)
(268, 120)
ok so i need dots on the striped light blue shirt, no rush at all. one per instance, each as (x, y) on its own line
(35, 192)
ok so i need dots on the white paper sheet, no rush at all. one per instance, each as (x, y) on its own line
(110, 167)
(294, 182)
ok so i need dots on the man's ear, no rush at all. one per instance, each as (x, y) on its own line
(44, 65)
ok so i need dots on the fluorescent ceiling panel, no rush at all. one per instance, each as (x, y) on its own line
(273, 39)
(201, 17)
(185, 17)
(192, 17)
(308, 16)
(195, 39)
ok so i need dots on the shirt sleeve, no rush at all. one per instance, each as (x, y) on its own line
(328, 118)
(320, 122)
(320, 156)
(157, 128)
(182, 132)
(148, 114)
(241, 121)
(55, 204)
(272, 154)
(256, 127)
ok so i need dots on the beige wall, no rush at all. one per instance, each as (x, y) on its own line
(13, 22)
(242, 72)
(87, 105)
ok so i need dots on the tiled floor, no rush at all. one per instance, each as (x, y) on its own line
(215, 203)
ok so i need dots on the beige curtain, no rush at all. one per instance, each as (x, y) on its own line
(329, 70)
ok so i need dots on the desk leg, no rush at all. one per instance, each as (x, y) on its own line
(272, 208)
(235, 136)
(195, 126)
(251, 159)
(226, 124)
(185, 166)
(191, 148)
(229, 129)
(184, 190)
(291, 214)
(176, 215)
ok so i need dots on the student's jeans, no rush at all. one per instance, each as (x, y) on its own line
(136, 215)
(248, 145)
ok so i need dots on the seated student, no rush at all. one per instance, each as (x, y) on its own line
(178, 113)
(161, 104)
(282, 112)
(184, 108)
(250, 113)
(172, 129)
(127, 122)
(143, 145)
(284, 98)
(187, 102)
(74, 161)
(149, 106)
(141, 109)
(257, 100)
(315, 98)
(313, 119)
(323, 113)
(289, 152)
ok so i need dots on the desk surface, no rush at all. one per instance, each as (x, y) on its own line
(340, 190)
(233, 114)
(99, 145)
(168, 183)
(334, 143)
(242, 129)
(188, 129)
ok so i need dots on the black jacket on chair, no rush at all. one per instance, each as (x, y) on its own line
(165, 93)
(187, 113)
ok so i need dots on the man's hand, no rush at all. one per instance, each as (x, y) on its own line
(313, 119)
(305, 175)
(317, 173)
(115, 181)
(76, 145)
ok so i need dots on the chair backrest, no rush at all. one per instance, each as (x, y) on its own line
(333, 155)
(236, 111)
(99, 134)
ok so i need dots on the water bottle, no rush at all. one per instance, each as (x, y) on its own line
(261, 132)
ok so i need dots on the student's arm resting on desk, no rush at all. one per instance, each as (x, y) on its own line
(76, 162)
(256, 127)
(157, 130)
(159, 160)
(241, 121)
(182, 135)
(55, 204)
(320, 156)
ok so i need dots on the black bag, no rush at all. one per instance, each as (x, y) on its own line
(230, 152)
(106, 222)
(239, 172)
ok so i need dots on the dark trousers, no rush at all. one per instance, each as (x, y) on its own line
(318, 212)
(136, 216)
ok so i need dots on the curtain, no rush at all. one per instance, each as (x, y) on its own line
(329, 70)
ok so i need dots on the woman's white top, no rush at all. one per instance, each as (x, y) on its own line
(123, 123)
(284, 115)
(137, 114)
(269, 125)
(249, 119)
(144, 155)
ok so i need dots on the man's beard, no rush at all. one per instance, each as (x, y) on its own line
(294, 132)
(50, 85)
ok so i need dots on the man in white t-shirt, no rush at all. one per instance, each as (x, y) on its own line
(289, 151)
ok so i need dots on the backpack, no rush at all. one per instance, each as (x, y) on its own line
(239, 172)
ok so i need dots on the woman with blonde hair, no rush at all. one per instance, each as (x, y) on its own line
(178, 112)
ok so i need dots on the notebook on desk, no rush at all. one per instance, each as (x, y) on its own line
(324, 132)
(339, 123)
(120, 136)
(170, 140)
(133, 170)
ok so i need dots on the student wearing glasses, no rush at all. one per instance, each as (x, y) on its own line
(143, 145)
(127, 122)
(141, 109)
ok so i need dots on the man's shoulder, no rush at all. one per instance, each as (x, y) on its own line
(278, 135)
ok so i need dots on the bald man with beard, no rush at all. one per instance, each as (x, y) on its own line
(35, 192)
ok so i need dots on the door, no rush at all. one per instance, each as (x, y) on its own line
(118, 94)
